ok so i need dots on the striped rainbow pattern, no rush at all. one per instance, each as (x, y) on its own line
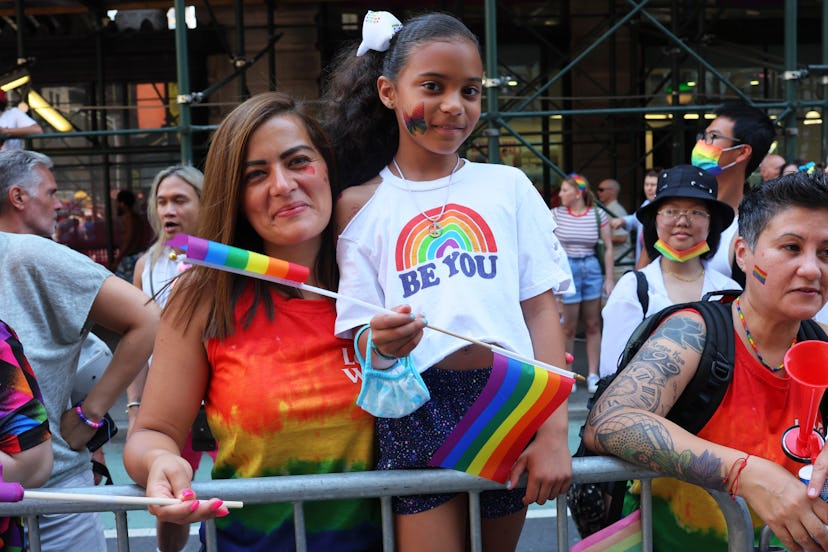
(681, 256)
(463, 230)
(706, 156)
(238, 260)
(580, 181)
(760, 274)
(516, 400)
(622, 536)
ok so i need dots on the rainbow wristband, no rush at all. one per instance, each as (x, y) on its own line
(87, 421)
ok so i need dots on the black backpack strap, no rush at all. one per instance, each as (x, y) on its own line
(705, 391)
(642, 289)
(811, 330)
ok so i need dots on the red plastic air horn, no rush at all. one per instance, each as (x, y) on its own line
(807, 363)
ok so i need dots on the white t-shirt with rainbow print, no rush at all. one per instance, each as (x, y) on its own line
(497, 248)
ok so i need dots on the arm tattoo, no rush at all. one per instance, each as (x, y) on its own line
(649, 380)
(627, 420)
(642, 439)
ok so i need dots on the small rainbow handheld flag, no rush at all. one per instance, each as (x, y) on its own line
(516, 400)
(235, 259)
(622, 536)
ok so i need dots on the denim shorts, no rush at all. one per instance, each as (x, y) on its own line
(587, 279)
(410, 442)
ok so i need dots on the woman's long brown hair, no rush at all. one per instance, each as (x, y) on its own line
(221, 218)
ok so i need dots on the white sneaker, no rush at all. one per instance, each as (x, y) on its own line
(592, 383)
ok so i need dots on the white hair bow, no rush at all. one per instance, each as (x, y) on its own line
(378, 28)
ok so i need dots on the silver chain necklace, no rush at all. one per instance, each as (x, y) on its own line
(434, 222)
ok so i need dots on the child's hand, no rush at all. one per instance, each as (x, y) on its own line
(170, 477)
(396, 335)
(549, 465)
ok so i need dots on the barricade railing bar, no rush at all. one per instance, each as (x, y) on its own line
(298, 489)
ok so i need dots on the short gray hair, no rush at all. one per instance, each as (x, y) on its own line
(17, 168)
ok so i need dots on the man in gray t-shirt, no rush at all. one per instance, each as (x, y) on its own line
(52, 295)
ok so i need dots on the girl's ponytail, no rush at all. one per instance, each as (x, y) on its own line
(364, 132)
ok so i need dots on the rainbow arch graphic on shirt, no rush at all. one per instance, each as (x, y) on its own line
(463, 230)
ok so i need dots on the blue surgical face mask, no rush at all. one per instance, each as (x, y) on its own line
(394, 392)
(706, 156)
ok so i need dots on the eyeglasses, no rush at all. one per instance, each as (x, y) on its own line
(672, 216)
(602, 189)
(710, 137)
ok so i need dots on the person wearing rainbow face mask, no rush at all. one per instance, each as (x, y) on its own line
(681, 228)
(731, 148)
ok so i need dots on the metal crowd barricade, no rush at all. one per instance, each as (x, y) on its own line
(308, 488)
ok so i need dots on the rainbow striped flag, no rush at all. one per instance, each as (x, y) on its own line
(622, 536)
(237, 260)
(516, 400)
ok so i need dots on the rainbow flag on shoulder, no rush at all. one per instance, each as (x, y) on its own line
(516, 400)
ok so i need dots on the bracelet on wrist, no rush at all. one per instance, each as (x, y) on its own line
(380, 353)
(87, 421)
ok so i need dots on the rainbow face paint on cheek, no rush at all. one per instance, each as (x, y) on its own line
(706, 157)
(760, 274)
(415, 122)
(309, 170)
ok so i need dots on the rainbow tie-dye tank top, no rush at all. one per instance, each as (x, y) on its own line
(281, 401)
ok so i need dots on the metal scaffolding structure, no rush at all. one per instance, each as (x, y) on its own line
(530, 116)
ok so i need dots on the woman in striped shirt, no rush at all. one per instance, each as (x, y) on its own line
(580, 226)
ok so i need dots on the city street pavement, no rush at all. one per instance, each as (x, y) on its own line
(539, 533)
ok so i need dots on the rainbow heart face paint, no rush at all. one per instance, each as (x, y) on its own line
(706, 157)
(415, 122)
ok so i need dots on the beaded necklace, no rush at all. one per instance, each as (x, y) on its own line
(738, 304)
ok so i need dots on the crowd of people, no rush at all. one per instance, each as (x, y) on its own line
(350, 191)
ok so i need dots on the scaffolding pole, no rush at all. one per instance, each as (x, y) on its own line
(492, 83)
(185, 98)
(791, 78)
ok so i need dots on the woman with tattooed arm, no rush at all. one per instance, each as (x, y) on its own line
(783, 248)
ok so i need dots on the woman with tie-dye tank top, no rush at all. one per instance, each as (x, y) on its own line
(279, 388)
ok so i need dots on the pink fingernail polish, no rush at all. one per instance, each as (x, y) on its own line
(194, 505)
(217, 505)
(223, 512)
(187, 494)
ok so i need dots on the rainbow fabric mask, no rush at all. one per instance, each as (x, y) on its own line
(706, 156)
(681, 256)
